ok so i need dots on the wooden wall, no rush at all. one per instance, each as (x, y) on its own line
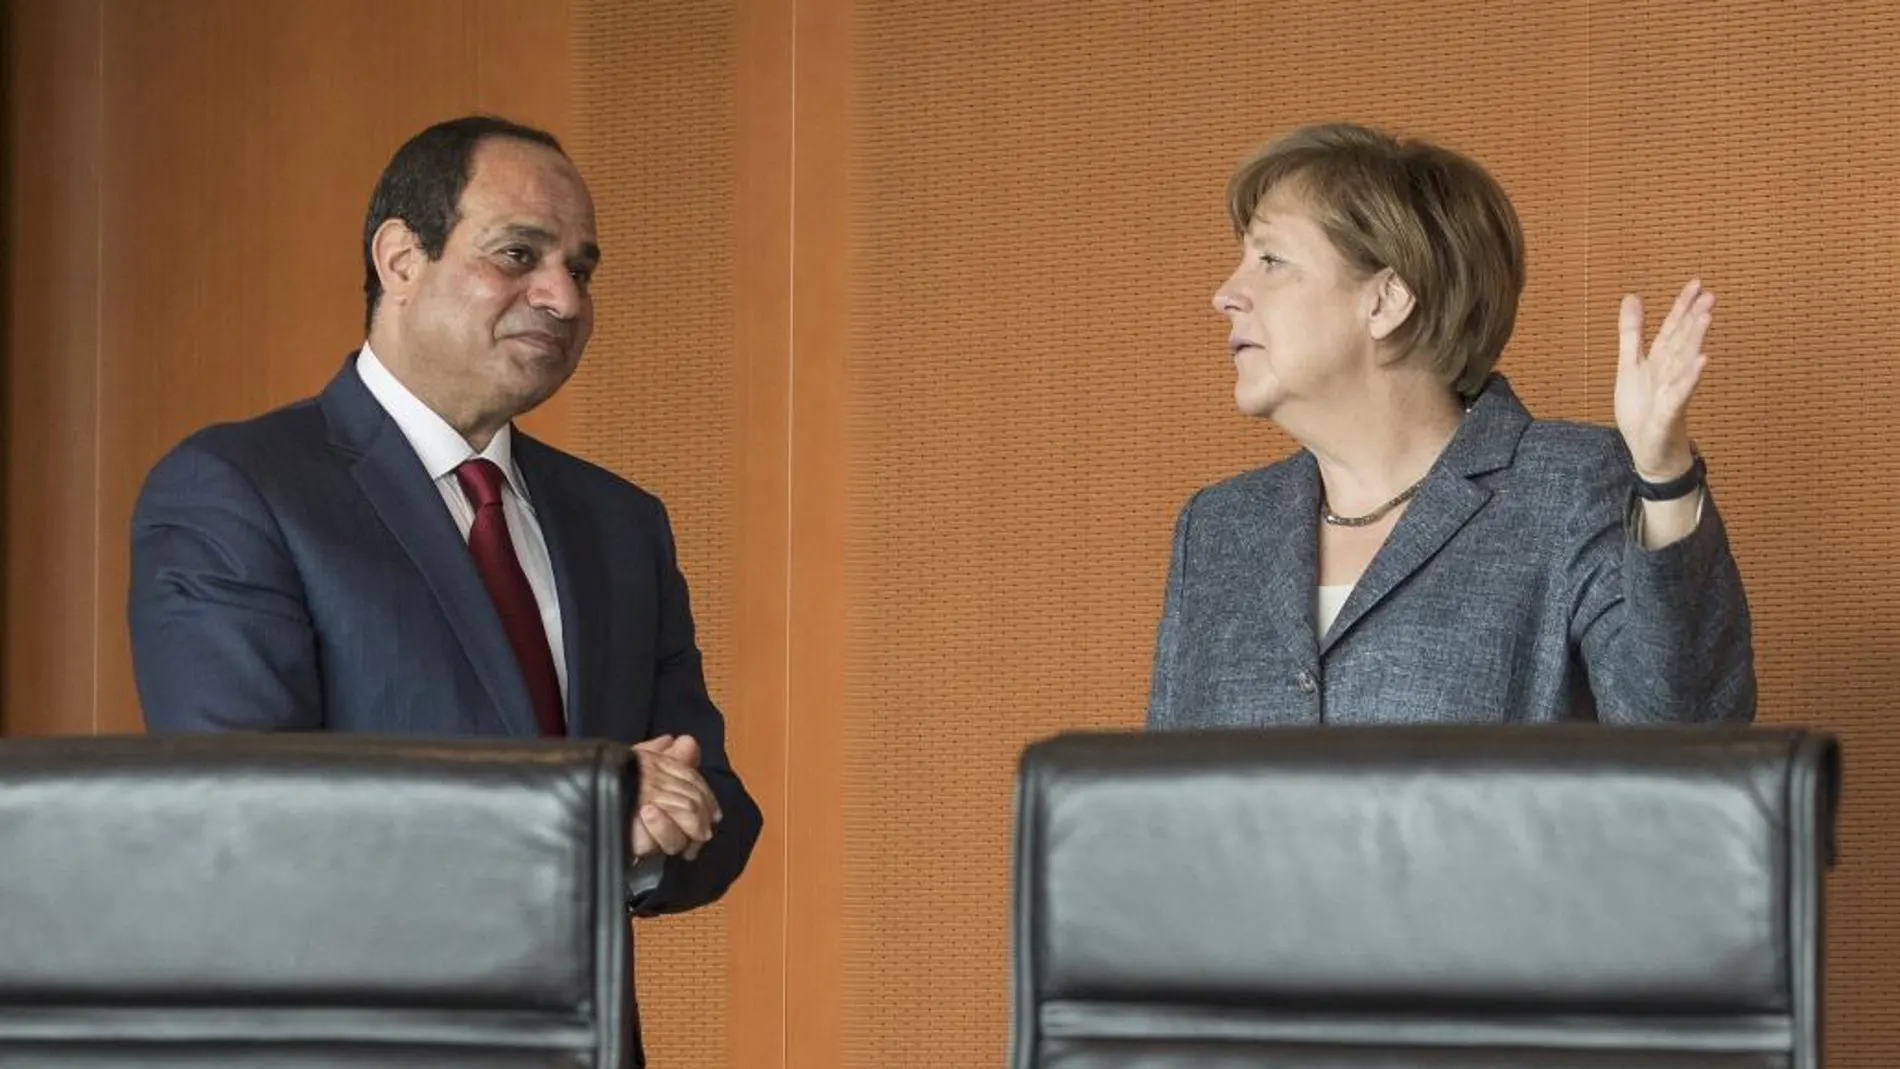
(184, 246)
(904, 312)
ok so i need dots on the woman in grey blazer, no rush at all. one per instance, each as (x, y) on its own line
(1432, 553)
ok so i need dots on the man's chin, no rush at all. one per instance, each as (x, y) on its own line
(536, 382)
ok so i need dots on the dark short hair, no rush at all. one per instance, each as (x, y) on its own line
(1435, 218)
(422, 186)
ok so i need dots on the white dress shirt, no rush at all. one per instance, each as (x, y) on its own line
(442, 449)
(1331, 599)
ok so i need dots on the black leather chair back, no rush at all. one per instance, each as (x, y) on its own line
(292, 901)
(1568, 897)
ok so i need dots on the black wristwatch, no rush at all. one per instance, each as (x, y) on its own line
(1681, 486)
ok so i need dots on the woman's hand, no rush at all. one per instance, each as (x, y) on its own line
(1653, 387)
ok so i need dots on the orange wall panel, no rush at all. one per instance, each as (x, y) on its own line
(904, 312)
(49, 630)
(1037, 382)
(658, 398)
(189, 216)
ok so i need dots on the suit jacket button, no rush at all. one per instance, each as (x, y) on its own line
(1306, 681)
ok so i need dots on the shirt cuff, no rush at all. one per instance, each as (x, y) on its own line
(1636, 512)
(643, 877)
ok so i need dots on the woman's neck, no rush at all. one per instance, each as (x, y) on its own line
(1383, 443)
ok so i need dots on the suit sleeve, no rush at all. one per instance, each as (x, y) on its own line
(1665, 635)
(221, 639)
(681, 706)
(1164, 675)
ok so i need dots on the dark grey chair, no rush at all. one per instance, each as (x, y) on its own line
(313, 900)
(1350, 898)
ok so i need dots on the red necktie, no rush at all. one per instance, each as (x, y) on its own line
(507, 584)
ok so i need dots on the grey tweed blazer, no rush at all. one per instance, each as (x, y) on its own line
(1512, 589)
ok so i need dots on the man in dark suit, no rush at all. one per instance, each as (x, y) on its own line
(394, 557)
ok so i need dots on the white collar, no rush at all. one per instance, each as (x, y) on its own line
(440, 447)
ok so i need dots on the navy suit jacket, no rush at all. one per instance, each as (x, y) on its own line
(298, 571)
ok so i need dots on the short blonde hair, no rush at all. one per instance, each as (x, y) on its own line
(1435, 218)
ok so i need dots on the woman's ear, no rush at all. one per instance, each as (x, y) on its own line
(1392, 304)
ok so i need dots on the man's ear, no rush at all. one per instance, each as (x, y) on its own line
(398, 257)
(1392, 304)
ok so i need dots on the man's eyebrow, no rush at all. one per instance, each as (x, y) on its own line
(523, 232)
(534, 235)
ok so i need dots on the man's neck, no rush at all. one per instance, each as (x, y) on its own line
(476, 429)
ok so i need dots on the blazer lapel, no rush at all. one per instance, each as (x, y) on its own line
(1282, 542)
(1443, 505)
(398, 486)
(580, 567)
(1485, 442)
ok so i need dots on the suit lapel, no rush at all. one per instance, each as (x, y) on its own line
(1486, 441)
(1443, 505)
(1281, 543)
(398, 487)
(579, 569)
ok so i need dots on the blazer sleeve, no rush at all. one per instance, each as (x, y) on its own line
(221, 639)
(1665, 635)
(682, 706)
(1165, 674)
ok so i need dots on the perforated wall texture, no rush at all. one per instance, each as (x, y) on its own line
(1034, 381)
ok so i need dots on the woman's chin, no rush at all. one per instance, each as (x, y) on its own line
(1257, 401)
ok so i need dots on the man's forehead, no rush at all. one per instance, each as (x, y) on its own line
(528, 171)
(538, 197)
